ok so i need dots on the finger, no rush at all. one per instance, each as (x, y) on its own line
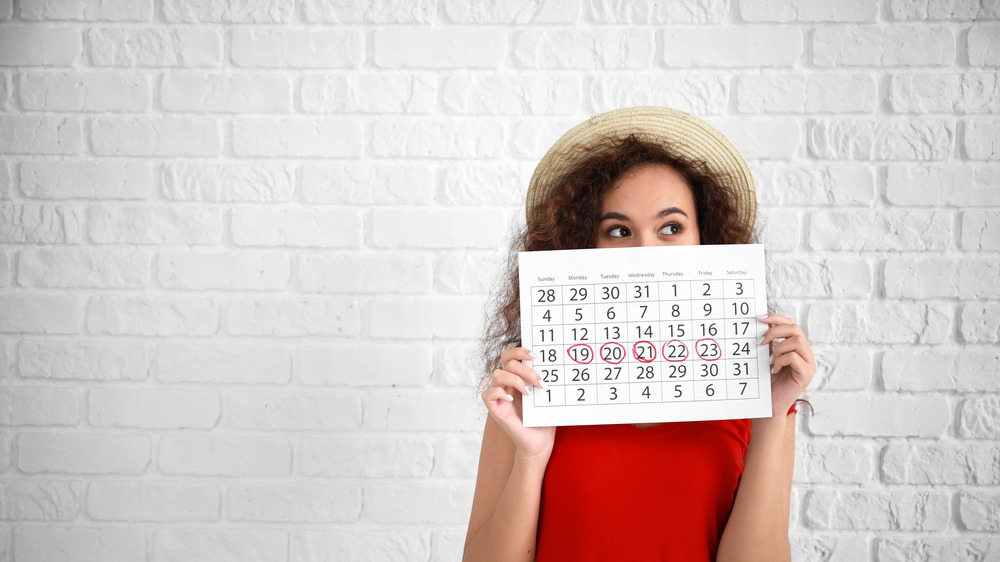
(509, 381)
(781, 331)
(775, 319)
(795, 362)
(795, 343)
(518, 353)
(493, 395)
(525, 372)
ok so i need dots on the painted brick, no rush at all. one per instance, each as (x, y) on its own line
(80, 544)
(220, 545)
(6, 268)
(40, 224)
(458, 364)
(223, 364)
(979, 418)
(223, 11)
(39, 134)
(297, 226)
(82, 453)
(156, 136)
(943, 10)
(973, 92)
(75, 267)
(152, 315)
(780, 229)
(159, 224)
(40, 314)
(104, 179)
(294, 502)
(439, 48)
(872, 229)
(838, 278)
(40, 500)
(658, 13)
(982, 137)
(831, 462)
(942, 278)
(476, 185)
(361, 183)
(363, 544)
(33, 45)
(732, 46)
(813, 547)
(440, 410)
(6, 455)
(83, 360)
(92, 91)
(897, 45)
(159, 408)
(152, 47)
(225, 270)
(457, 456)
(367, 272)
(842, 368)
(531, 138)
(448, 544)
(979, 510)
(402, 503)
(227, 182)
(632, 48)
(940, 463)
(878, 510)
(933, 548)
(465, 273)
(883, 322)
(513, 11)
(375, 456)
(226, 93)
(941, 185)
(297, 137)
(153, 501)
(437, 138)
(284, 317)
(705, 94)
(39, 405)
(407, 318)
(512, 94)
(984, 44)
(308, 410)
(438, 228)
(970, 370)
(806, 93)
(6, 174)
(980, 323)
(807, 11)
(379, 11)
(926, 139)
(981, 230)
(224, 455)
(368, 93)
(783, 184)
(297, 48)
(879, 416)
(783, 136)
(81, 10)
(366, 364)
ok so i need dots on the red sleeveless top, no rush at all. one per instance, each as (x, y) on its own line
(616, 492)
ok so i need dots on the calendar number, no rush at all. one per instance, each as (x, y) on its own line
(644, 372)
(577, 294)
(581, 353)
(609, 293)
(641, 291)
(710, 370)
(608, 371)
(581, 375)
(676, 371)
(546, 295)
(549, 375)
(612, 352)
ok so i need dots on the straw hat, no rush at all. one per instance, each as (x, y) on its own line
(683, 134)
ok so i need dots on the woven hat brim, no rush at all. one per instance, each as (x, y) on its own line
(685, 135)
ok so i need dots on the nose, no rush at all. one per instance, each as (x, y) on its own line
(645, 239)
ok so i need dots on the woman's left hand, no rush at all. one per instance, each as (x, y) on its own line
(792, 365)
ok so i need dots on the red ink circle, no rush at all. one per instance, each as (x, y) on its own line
(590, 349)
(651, 346)
(719, 347)
(663, 352)
(620, 346)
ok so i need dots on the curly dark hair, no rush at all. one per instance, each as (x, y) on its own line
(569, 217)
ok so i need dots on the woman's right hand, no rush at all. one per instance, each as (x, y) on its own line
(503, 400)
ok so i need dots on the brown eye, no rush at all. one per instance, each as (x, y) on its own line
(670, 229)
(618, 232)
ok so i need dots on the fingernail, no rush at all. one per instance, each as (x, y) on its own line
(761, 342)
(763, 317)
(774, 369)
(527, 391)
(532, 355)
(510, 398)
(539, 385)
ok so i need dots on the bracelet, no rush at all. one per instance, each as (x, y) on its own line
(794, 409)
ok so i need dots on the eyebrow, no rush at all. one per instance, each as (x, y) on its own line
(618, 216)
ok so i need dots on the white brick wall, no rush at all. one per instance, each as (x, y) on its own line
(245, 246)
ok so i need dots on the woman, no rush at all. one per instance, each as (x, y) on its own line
(716, 490)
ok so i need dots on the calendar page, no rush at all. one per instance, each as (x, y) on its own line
(645, 335)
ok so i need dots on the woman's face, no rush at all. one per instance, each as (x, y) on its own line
(651, 205)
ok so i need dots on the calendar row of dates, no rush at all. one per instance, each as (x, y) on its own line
(655, 392)
(645, 373)
(638, 331)
(638, 291)
(645, 351)
(714, 309)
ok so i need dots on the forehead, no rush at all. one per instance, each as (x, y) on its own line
(649, 184)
